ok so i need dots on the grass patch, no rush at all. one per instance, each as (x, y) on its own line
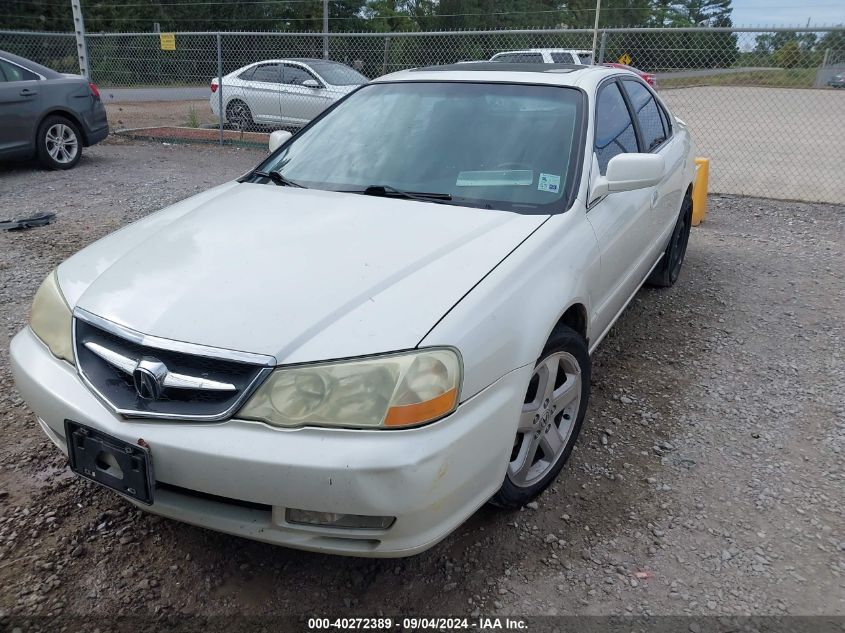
(774, 78)
(193, 118)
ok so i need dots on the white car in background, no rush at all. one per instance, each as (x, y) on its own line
(287, 92)
(385, 325)
(545, 56)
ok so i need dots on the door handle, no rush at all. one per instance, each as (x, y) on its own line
(26, 92)
(654, 198)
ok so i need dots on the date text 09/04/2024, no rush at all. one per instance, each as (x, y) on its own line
(418, 624)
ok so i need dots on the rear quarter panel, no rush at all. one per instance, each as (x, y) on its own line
(73, 96)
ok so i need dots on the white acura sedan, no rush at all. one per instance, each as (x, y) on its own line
(282, 91)
(385, 325)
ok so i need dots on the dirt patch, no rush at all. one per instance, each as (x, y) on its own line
(159, 113)
(198, 135)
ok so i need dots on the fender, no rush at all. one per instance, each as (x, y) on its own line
(506, 320)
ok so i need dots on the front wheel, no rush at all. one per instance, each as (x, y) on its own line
(552, 413)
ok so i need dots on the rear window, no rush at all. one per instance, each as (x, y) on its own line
(520, 58)
(13, 72)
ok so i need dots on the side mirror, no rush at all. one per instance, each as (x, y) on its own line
(278, 138)
(627, 172)
(311, 83)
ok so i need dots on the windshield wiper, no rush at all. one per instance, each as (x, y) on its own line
(278, 178)
(387, 191)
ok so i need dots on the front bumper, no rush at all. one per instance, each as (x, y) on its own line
(239, 477)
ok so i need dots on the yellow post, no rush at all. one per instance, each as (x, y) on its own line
(699, 190)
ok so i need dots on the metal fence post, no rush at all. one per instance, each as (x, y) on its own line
(220, 84)
(79, 31)
(826, 57)
(596, 27)
(325, 29)
(602, 47)
(386, 55)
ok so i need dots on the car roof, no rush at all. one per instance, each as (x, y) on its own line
(48, 73)
(552, 74)
(547, 50)
(300, 60)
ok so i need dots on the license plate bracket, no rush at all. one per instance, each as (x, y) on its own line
(110, 461)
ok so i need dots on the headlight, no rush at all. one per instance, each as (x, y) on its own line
(51, 319)
(394, 391)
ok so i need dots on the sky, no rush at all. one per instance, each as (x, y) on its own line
(788, 12)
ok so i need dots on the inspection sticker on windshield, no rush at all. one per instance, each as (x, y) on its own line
(549, 182)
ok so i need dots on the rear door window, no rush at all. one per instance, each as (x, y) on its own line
(563, 58)
(271, 73)
(664, 117)
(13, 72)
(647, 113)
(614, 129)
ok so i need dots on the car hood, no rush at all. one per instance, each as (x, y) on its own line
(297, 274)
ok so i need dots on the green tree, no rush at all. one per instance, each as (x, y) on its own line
(789, 55)
(768, 43)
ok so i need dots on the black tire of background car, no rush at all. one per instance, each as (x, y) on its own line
(563, 339)
(41, 142)
(239, 114)
(667, 271)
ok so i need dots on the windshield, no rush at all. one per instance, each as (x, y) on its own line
(501, 146)
(338, 74)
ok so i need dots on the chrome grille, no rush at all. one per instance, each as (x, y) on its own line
(143, 377)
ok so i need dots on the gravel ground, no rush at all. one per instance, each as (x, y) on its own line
(708, 478)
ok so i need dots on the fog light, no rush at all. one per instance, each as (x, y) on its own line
(337, 520)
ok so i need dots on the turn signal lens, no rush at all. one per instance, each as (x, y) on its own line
(51, 319)
(395, 391)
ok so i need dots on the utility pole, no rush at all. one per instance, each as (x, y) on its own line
(325, 29)
(596, 28)
(81, 46)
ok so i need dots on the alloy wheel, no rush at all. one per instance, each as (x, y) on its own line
(547, 419)
(62, 144)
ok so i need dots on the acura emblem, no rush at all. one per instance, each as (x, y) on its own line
(148, 376)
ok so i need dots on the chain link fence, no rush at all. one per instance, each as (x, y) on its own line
(766, 106)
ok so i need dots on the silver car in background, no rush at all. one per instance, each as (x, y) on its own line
(288, 92)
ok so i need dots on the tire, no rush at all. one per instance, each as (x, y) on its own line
(239, 114)
(58, 143)
(669, 268)
(536, 459)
